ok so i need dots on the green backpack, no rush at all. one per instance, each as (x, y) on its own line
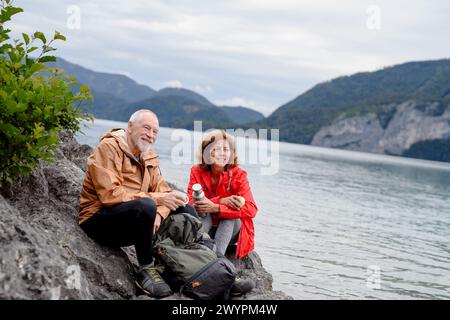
(191, 265)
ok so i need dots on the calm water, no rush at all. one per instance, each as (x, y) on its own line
(335, 224)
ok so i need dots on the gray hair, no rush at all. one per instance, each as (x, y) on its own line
(135, 117)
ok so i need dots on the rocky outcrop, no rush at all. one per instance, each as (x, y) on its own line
(45, 255)
(408, 123)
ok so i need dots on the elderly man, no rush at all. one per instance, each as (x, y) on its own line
(124, 197)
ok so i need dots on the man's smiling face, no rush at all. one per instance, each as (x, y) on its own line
(143, 133)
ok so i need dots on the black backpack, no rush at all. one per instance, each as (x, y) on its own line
(191, 265)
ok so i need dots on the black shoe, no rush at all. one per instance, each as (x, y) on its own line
(241, 287)
(149, 281)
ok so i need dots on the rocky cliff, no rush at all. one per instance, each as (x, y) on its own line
(45, 255)
(393, 133)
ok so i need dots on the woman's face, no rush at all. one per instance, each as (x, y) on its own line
(220, 153)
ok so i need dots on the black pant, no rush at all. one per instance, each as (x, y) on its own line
(126, 224)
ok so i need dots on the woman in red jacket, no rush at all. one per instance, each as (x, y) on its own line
(228, 207)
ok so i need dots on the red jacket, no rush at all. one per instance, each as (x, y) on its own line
(238, 186)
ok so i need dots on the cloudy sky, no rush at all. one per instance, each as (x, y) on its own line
(256, 53)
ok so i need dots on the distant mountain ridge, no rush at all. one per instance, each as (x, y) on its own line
(119, 85)
(117, 96)
(242, 115)
(386, 111)
(400, 110)
(299, 119)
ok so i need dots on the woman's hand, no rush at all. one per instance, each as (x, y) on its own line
(206, 206)
(232, 201)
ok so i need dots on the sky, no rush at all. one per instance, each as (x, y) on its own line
(255, 53)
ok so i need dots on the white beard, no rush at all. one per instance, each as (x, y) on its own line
(143, 147)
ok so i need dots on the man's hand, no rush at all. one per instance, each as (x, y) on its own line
(157, 223)
(172, 200)
(232, 201)
(206, 206)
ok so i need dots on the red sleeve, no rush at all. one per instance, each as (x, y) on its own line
(249, 209)
(193, 179)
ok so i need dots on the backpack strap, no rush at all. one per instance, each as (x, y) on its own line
(193, 227)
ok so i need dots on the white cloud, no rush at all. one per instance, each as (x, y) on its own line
(173, 84)
(125, 73)
(202, 89)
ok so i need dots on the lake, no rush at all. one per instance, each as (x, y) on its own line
(335, 224)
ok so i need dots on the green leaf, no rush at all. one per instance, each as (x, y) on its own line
(37, 113)
(84, 89)
(12, 55)
(34, 108)
(5, 47)
(36, 68)
(39, 35)
(26, 38)
(13, 107)
(3, 94)
(38, 130)
(59, 36)
(21, 107)
(9, 130)
(47, 59)
(48, 49)
(32, 49)
(8, 12)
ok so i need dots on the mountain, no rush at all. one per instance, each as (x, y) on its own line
(406, 129)
(300, 119)
(241, 115)
(399, 110)
(107, 106)
(116, 97)
(185, 93)
(179, 111)
(117, 85)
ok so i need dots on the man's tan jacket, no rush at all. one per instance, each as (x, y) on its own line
(114, 176)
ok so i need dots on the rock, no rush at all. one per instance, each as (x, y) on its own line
(44, 254)
(408, 123)
(73, 151)
(51, 258)
(251, 268)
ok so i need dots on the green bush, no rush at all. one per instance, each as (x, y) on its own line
(36, 102)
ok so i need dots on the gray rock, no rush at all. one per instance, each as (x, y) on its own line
(411, 122)
(44, 254)
(252, 268)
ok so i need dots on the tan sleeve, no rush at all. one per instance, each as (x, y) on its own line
(158, 189)
(105, 170)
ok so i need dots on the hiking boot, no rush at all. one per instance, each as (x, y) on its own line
(241, 287)
(149, 281)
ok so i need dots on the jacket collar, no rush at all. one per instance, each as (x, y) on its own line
(207, 179)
